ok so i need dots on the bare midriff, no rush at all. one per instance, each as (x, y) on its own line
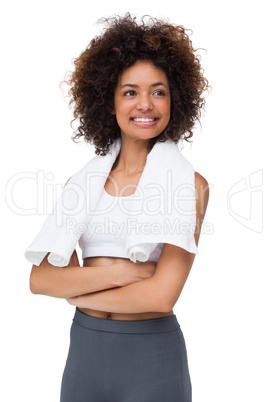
(95, 261)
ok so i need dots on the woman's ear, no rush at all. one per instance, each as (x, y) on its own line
(113, 109)
(110, 107)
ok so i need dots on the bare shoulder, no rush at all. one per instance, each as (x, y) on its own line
(201, 188)
(200, 181)
(202, 197)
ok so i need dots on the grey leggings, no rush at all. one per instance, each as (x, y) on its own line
(126, 361)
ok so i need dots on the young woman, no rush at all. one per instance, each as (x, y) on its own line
(142, 83)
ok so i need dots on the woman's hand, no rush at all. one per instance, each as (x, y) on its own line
(78, 301)
(129, 272)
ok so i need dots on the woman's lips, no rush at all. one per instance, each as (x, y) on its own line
(144, 121)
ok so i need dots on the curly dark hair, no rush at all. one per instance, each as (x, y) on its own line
(121, 44)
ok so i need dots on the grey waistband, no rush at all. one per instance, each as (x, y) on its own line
(151, 326)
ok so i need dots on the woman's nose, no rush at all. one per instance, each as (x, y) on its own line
(144, 102)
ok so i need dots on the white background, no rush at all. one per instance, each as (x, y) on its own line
(223, 308)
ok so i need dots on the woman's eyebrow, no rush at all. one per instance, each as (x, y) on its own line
(129, 85)
(156, 84)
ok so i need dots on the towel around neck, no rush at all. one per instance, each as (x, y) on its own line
(162, 211)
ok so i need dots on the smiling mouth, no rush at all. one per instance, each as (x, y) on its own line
(144, 119)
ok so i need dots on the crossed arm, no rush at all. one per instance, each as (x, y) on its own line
(161, 291)
(125, 287)
(158, 293)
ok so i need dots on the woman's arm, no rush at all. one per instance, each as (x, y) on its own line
(160, 292)
(73, 280)
(156, 294)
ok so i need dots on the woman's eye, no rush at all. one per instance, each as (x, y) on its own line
(129, 93)
(159, 92)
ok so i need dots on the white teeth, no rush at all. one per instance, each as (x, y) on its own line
(142, 119)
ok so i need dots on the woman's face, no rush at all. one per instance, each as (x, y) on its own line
(142, 101)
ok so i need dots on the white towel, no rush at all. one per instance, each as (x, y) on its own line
(163, 209)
